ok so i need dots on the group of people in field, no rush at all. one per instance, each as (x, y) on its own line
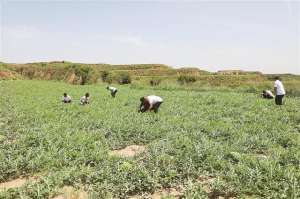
(153, 102)
(278, 90)
(148, 103)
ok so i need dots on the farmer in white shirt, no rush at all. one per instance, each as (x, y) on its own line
(112, 90)
(66, 98)
(85, 99)
(150, 102)
(267, 94)
(279, 91)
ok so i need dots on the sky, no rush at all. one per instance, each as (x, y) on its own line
(211, 35)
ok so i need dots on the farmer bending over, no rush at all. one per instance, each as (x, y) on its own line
(279, 91)
(267, 94)
(66, 98)
(85, 99)
(150, 102)
(112, 90)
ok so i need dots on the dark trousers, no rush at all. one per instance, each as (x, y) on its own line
(113, 93)
(278, 99)
(156, 106)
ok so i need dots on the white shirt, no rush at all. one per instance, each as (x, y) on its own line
(279, 88)
(154, 99)
(112, 89)
(84, 99)
(66, 99)
(269, 93)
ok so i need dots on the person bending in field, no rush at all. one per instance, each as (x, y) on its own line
(66, 98)
(150, 103)
(113, 90)
(267, 94)
(279, 91)
(85, 99)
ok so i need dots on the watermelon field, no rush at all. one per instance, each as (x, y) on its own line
(201, 144)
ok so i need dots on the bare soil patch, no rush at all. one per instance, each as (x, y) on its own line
(128, 151)
(6, 75)
(16, 183)
(170, 192)
(205, 182)
(69, 192)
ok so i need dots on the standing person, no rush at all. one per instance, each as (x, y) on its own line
(279, 91)
(85, 99)
(151, 102)
(66, 98)
(112, 90)
(267, 94)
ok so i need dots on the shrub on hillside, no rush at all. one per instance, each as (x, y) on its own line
(185, 79)
(85, 74)
(123, 78)
(110, 78)
(155, 81)
(105, 76)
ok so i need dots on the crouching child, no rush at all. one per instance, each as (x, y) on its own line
(85, 99)
(66, 98)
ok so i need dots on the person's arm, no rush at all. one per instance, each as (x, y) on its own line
(144, 105)
(141, 107)
(81, 100)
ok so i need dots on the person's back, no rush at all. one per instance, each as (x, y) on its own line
(279, 91)
(154, 99)
(151, 102)
(267, 94)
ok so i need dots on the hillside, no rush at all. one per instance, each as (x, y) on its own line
(141, 75)
(63, 70)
